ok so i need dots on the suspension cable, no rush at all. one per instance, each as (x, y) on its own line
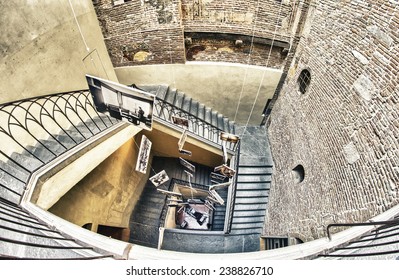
(264, 72)
(248, 60)
(86, 45)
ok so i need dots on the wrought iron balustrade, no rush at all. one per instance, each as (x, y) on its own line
(233, 190)
(37, 130)
(203, 129)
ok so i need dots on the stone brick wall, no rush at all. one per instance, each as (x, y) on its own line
(205, 49)
(344, 130)
(141, 32)
(239, 16)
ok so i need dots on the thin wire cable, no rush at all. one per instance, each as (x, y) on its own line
(248, 61)
(85, 43)
(77, 23)
(170, 54)
(171, 62)
(264, 72)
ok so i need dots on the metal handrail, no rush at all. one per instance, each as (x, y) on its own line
(209, 131)
(233, 188)
(371, 223)
(38, 123)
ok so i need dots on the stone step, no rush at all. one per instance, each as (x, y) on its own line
(162, 91)
(12, 168)
(255, 160)
(148, 208)
(214, 118)
(14, 210)
(179, 99)
(70, 137)
(252, 200)
(186, 103)
(170, 95)
(247, 225)
(217, 227)
(54, 146)
(29, 162)
(208, 115)
(253, 170)
(21, 219)
(250, 178)
(9, 196)
(152, 200)
(40, 152)
(201, 111)
(12, 183)
(232, 127)
(248, 213)
(144, 235)
(252, 193)
(102, 122)
(194, 107)
(150, 219)
(249, 219)
(246, 230)
(88, 128)
(254, 186)
(249, 207)
(220, 121)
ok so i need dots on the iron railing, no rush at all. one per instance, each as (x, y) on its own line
(387, 230)
(196, 125)
(233, 190)
(37, 130)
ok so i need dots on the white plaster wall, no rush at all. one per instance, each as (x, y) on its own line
(217, 85)
(42, 49)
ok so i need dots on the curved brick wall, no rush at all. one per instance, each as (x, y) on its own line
(143, 32)
(344, 130)
(232, 16)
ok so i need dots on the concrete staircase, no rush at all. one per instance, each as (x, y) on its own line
(144, 221)
(25, 237)
(253, 182)
(16, 169)
(382, 243)
(252, 194)
(183, 105)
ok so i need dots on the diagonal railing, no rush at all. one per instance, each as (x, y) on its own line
(387, 229)
(197, 126)
(233, 189)
(37, 130)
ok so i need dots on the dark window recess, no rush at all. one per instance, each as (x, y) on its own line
(88, 226)
(304, 81)
(119, 2)
(299, 173)
(275, 242)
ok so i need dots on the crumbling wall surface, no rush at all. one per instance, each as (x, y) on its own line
(142, 32)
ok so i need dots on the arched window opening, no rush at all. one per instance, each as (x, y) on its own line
(299, 173)
(304, 81)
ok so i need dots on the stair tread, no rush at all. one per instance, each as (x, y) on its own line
(179, 99)
(170, 95)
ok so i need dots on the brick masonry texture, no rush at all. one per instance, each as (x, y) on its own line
(227, 51)
(345, 129)
(152, 32)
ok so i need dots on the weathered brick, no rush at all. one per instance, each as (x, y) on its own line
(366, 114)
